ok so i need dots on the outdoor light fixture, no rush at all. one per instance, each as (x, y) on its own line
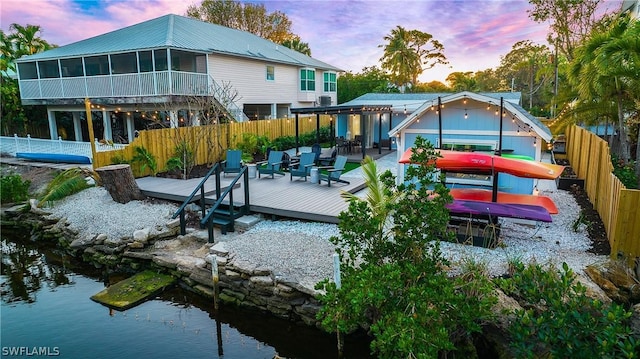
(466, 116)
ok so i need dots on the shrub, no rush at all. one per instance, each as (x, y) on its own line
(13, 188)
(183, 159)
(65, 184)
(561, 321)
(394, 280)
(145, 159)
(625, 172)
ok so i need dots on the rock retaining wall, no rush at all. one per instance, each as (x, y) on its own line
(187, 257)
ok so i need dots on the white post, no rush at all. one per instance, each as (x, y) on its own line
(29, 141)
(106, 123)
(77, 126)
(336, 270)
(131, 128)
(15, 136)
(60, 143)
(214, 274)
(53, 127)
(173, 119)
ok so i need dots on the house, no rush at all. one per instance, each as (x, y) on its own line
(158, 69)
(475, 122)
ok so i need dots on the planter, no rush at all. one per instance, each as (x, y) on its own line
(252, 170)
(565, 183)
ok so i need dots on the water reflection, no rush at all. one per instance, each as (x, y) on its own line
(26, 271)
(45, 300)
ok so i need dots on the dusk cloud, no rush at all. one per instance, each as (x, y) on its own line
(346, 34)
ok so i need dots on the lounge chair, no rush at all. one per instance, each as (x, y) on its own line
(272, 165)
(303, 167)
(233, 162)
(327, 156)
(334, 172)
(316, 149)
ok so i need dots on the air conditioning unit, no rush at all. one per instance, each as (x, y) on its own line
(325, 100)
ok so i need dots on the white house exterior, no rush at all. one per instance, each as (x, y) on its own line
(153, 68)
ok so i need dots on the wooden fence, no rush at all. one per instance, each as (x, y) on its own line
(208, 142)
(619, 207)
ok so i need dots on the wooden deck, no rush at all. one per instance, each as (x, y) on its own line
(277, 197)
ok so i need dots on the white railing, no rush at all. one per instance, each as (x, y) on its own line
(11, 145)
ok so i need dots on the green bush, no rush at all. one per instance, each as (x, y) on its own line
(394, 281)
(65, 184)
(625, 172)
(560, 321)
(13, 188)
(144, 159)
(183, 159)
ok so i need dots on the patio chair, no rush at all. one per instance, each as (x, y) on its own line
(303, 167)
(316, 149)
(326, 159)
(334, 172)
(272, 165)
(233, 162)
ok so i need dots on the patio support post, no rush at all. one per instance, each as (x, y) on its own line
(77, 126)
(494, 192)
(53, 127)
(318, 128)
(379, 133)
(390, 126)
(363, 126)
(439, 122)
(92, 139)
(297, 135)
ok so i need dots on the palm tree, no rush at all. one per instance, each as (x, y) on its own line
(296, 44)
(606, 69)
(399, 58)
(26, 40)
(407, 51)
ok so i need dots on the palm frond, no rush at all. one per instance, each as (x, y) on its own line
(65, 184)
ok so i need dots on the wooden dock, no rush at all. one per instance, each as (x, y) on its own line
(277, 197)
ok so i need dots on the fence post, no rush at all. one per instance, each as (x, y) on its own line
(29, 142)
(15, 136)
(60, 143)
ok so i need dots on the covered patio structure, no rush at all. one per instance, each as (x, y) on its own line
(370, 110)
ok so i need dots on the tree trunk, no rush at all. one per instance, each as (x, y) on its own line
(118, 180)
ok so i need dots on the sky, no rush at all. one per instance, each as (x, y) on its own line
(346, 34)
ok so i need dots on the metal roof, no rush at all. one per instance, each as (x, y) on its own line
(184, 33)
(491, 98)
(412, 101)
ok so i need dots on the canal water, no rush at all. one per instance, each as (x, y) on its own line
(46, 310)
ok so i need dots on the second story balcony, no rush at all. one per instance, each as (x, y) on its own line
(159, 72)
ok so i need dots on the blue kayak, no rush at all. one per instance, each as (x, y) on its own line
(54, 157)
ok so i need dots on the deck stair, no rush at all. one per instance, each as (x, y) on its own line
(217, 206)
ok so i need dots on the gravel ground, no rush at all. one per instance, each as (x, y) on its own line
(300, 251)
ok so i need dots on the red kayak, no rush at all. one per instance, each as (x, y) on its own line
(478, 194)
(479, 162)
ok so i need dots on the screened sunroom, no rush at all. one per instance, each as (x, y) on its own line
(157, 72)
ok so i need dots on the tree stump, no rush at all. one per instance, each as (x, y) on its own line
(118, 180)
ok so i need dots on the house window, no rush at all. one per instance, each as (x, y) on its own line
(187, 61)
(96, 65)
(48, 69)
(72, 67)
(160, 57)
(271, 73)
(124, 63)
(146, 61)
(28, 71)
(307, 80)
(468, 146)
(329, 82)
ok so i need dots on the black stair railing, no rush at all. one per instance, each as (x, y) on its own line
(207, 217)
(207, 220)
(200, 187)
